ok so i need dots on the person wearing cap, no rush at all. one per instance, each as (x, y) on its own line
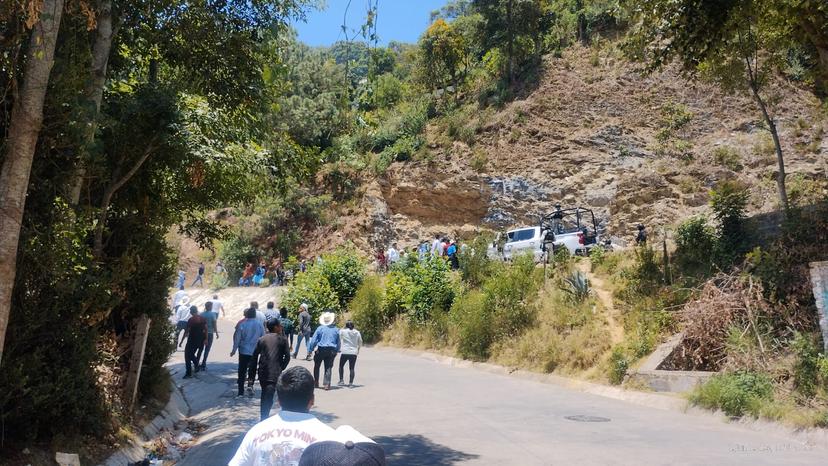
(283, 437)
(272, 355)
(326, 338)
(347, 453)
(245, 339)
(351, 343)
(304, 331)
(182, 315)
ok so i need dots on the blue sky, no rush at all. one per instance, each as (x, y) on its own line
(399, 20)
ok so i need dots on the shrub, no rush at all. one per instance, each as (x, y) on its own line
(727, 157)
(729, 202)
(312, 288)
(618, 365)
(399, 289)
(368, 309)
(576, 286)
(431, 288)
(344, 271)
(475, 265)
(510, 295)
(735, 393)
(811, 368)
(695, 242)
(475, 331)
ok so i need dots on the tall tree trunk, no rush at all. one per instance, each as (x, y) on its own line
(780, 160)
(582, 34)
(24, 129)
(93, 94)
(511, 44)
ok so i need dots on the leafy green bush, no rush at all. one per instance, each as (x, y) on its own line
(811, 368)
(399, 289)
(618, 365)
(736, 393)
(236, 251)
(695, 243)
(475, 264)
(431, 290)
(313, 288)
(368, 309)
(344, 271)
(729, 203)
(475, 331)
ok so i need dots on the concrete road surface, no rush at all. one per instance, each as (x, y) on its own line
(427, 413)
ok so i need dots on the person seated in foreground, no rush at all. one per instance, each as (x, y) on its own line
(282, 438)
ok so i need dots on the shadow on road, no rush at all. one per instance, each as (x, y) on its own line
(416, 450)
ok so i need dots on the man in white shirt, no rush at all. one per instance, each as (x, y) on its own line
(217, 305)
(182, 315)
(435, 246)
(260, 316)
(281, 439)
(393, 255)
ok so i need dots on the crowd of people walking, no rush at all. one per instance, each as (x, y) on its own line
(264, 341)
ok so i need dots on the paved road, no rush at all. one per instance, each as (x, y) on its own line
(427, 413)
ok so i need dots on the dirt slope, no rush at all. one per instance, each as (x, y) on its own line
(588, 135)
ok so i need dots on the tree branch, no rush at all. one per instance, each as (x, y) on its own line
(97, 249)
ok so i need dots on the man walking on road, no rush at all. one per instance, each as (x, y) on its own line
(287, 325)
(327, 338)
(272, 355)
(304, 331)
(200, 277)
(182, 315)
(245, 339)
(218, 306)
(211, 317)
(196, 335)
(281, 439)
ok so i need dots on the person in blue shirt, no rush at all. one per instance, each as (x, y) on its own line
(326, 337)
(451, 252)
(212, 329)
(245, 339)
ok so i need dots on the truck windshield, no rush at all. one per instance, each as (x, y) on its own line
(521, 235)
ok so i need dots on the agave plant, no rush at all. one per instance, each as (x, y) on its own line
(576, 285)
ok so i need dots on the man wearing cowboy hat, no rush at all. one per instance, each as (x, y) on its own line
(326, 337)
(182, 315)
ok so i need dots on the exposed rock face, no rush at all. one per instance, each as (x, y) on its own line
(594, 137)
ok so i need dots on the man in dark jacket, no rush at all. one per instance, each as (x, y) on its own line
(273, 354)
(196, 335)
(304, 331)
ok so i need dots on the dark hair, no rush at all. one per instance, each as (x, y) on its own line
(254, 304)
(270, 304)
(295, 389)
(272, 324)
(283, 311)
(193, 310)
(181, 287)
(349, 324)
(208, 306)
(250, 313)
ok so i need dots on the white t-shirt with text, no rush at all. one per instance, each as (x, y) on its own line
(282, 438)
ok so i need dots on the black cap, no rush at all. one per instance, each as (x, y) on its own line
(331, 453)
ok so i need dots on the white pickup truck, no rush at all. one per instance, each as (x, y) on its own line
(563, 229)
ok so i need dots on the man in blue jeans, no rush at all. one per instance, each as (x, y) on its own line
(211, 317)
(245, 339)
(304, 332)
(326, 337)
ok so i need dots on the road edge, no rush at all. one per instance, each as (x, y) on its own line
(176, 410)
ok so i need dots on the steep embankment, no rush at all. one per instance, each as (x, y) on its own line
(594, 132)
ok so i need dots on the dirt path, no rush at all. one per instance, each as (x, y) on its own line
(614, 318)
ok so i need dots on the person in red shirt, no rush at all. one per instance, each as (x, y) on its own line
(196, 335)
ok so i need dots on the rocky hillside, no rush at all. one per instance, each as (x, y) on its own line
(592, 132)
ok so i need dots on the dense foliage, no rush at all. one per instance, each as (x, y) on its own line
(179, 128)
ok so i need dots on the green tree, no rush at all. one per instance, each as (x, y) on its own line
(737, 44)
(443, 51)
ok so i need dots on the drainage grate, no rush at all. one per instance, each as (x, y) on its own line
(583, 418)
